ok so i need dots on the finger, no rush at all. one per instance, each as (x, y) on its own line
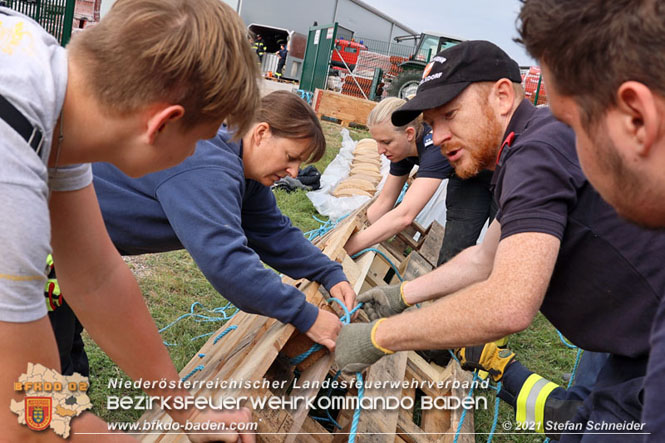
(328, 343)
(350, 300)
(371, 313)
(246, 437)
(367, 296)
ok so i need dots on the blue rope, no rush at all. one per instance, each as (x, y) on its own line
(577, 362)
(401, 194)
(201, 355)
(302, 357)
(326, 226)
(356, 413)
(201, 318)
(564, 341)
(224, 332)
(194, 371)
(345, 319)
(392, 265)
(452, 354)
(207, 334)
(330, 418)
(461, 420)
(577, 358)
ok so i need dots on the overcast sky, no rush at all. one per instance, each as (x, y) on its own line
(492, 20)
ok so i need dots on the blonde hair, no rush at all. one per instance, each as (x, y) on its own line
(385, 109)
(189, 52)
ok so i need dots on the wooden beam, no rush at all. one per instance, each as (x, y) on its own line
(382, 423)
(432, 244)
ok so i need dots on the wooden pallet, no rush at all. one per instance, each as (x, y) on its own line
(258, 350)
(342, 107)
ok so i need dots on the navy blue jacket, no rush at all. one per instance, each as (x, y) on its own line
(226, 222)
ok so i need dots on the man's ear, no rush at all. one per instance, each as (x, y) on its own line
(638, 116)
(504, 94)
(161, 116)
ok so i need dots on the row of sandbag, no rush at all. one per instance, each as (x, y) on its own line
(365, 171)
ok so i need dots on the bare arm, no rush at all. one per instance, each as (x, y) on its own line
(398, 218)
(104, 294)
(503, 304)
(387, 198)
(474, 264)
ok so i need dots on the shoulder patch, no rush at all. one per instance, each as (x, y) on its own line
(427, 140)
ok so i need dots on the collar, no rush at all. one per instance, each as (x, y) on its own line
(518, 123)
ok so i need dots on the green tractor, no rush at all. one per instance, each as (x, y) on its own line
(406, 83)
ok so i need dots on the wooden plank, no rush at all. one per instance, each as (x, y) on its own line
(467, 431)
(414, 266)
(313, 432)
(408, 235)
(396, 246)
(317, 372)
(343, 107)
(435, 420)
(247, 353)
(432, 244)
(409, 431)
(378, 423)
(252, 353)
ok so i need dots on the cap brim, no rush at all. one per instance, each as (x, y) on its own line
(426, 98)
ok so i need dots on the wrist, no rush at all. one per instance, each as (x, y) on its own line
(376, 337)
(403, 295)
(334, 277)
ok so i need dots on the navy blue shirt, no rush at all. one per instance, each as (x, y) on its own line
(432, 164)
(226, 222)
(609, 277)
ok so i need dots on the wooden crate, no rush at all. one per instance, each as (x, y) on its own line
(342, 107)
(259, 349)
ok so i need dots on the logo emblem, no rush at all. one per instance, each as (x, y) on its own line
(38, 412)
(428, 68)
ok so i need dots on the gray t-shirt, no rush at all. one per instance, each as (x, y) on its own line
(33, 77)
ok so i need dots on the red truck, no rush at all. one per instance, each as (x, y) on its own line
(346, 51)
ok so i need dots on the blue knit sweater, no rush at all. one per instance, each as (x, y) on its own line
(226, 222)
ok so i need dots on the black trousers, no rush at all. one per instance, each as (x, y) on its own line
(280, 65)
(469, 203)
(67, 329)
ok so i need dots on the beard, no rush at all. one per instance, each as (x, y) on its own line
(628, 191)
(482, 148)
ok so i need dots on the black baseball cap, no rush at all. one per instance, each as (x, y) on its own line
(452, 70)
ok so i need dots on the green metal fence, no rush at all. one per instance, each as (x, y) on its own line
(56, 16)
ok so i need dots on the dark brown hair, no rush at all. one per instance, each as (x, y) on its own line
(289, 116)
(591, 47)
(189, 52)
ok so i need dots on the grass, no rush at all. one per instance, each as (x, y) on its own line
(171, 282)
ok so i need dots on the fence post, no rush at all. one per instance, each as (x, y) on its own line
(68, 22)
